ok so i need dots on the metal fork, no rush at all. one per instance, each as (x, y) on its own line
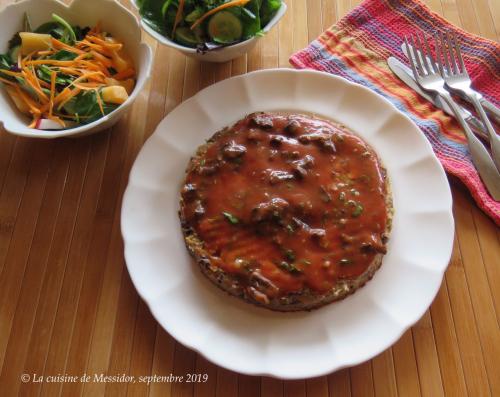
(427, 74)
(457, 79)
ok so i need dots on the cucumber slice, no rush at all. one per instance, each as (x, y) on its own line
(185, 36)
(225, 28)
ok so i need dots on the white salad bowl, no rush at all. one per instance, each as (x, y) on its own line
(123, 25)
(222, 54)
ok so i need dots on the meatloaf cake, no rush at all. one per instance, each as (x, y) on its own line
(286, 211)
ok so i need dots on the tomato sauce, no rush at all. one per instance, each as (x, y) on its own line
(299, 201)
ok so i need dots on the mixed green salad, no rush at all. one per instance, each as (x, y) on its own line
(208, 24)
(63, 76)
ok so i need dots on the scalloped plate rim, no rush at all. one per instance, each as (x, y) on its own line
(336, 364)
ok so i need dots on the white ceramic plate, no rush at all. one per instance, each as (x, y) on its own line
(252, 340)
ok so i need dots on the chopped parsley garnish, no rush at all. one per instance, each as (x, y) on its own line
(289, 267)
(289, 254)
(231, 218)
(358, 210)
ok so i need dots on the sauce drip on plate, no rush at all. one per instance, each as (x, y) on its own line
(295, 201)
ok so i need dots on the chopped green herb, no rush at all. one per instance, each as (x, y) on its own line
(289, 267)
(290, 229)
(358, 210)
(290, 255)
(342, 196)
(231, 218)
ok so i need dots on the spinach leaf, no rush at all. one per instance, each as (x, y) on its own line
(44, 73)
(64, 55)
(194, 15)
(26, 87)
(151, 12)
(5, 62)
(69, 36)
(251, 25)
(268, 10)
(80, 33)
(85, 105)
(52, 28)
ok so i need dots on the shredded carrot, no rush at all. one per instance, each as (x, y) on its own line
(29, 102)
(73, 93)
(53, 76)
(29, 81)
(85, 76)
(62, 95)
(124, 74)
(178, 15)
(53, 62)
(82, 56)
(5, 81)
(232, 3)
(87, 44)
(45, 53)
(99, 101)
(69, 70)
(34, 81)
(101, 58)
(94, 66)
(10, 73)
(61, 46)
(105, 44)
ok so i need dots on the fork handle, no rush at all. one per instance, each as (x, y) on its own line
(480, 155)
(491, 109)
(494, 139)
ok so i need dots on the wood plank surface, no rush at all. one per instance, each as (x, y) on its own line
(68, 306)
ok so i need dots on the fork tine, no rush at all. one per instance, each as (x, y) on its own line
(421, 54)
(439, 51)
(409, 48)
(459, 53)
(416, 56)
(445, 52)
(411, 55)
(453, 65)
(430, 56)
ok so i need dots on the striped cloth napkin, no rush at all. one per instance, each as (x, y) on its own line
(357, 48)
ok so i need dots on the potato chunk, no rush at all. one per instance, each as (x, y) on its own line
(114, 94)
(32, 42)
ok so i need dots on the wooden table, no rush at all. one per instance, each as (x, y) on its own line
(67, 305)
